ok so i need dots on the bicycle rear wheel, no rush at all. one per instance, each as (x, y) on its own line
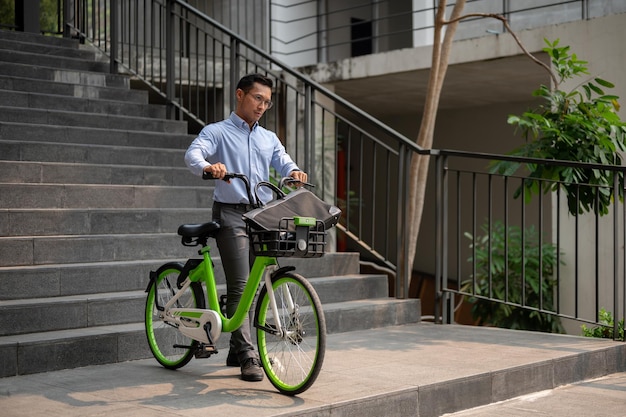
(292, 360)
(171, 348)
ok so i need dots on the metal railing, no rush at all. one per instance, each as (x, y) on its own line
(193, 64)
(495, 246)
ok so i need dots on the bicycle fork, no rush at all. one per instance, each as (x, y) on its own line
(278, 328)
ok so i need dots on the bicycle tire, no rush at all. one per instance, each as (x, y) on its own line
(292, 362)
(170, 347)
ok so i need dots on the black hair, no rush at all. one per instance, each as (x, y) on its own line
(246, 82)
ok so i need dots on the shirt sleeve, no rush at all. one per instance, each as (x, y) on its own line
(198, 152)
(281, 161)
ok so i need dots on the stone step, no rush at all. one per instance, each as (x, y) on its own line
(53, 61)
(24, 172)
(68, 249)
(38, 39)
(73, 90)
(54, 134)
(103, 309)
(27, 282)
(14, 150)
(48, 351)
(83, 106)
(65, 196)
(83, 119)
(69, 49)
(64, 75)
(51, 222)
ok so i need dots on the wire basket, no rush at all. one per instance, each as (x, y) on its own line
(289, 240)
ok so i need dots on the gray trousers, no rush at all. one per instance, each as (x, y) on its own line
(234, 247)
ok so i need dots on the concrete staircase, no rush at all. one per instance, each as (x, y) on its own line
(92, 189)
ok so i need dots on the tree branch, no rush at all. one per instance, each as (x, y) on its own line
(508, 28)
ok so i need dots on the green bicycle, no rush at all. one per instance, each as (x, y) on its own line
(182, 323)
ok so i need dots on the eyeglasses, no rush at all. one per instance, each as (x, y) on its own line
(259, 100)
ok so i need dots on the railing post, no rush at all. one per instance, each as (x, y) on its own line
(115, 24)
(68, 6)
(170, 61)
(616, 280)
(443, 305)
(308, 128)
(403, 270)
(234, 71)
(624, 262)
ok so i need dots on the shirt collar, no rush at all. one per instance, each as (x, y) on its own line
(239, 122)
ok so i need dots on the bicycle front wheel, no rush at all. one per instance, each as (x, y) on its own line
(292, 342)
(170, 347)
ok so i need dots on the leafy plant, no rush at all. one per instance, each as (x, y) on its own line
(580, 125)
(513, 277)
(606, 327)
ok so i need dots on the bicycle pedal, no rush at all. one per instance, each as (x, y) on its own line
(205, 351)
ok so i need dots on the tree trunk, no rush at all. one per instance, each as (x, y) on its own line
(418, 173)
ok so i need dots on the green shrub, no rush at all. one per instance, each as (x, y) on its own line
(606, 327)
(514, 279)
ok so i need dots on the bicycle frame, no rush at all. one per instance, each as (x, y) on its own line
(191, 321)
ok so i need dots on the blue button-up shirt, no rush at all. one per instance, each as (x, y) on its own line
(243, 150)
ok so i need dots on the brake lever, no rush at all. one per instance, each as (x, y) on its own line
(289, 180)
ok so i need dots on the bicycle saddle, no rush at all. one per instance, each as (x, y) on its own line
(196, 230)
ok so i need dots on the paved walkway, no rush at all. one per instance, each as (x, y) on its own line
(413, 370)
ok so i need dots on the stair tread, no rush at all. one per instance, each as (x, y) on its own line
(23, 84)
(28, 37)
(130, 327)
(83, 77)
(112, 118)
(97, 129)
(141, 293)
(80, 102)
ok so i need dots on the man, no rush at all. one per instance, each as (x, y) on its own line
(240, 144)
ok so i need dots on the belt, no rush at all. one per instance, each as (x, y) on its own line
(238, 206)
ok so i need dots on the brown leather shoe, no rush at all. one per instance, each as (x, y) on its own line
(251, 370)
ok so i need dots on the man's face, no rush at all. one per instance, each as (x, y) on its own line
(252, 105)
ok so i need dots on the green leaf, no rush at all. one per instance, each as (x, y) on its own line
(595, 88)
(604, 83)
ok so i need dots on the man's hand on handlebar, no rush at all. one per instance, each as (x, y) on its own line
(300, 177)
(295, 179)
(216, 171)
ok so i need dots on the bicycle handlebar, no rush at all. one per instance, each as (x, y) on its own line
(290, 180)
(230, 175)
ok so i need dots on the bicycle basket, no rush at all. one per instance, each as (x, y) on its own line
(300, 202)
(301, 237)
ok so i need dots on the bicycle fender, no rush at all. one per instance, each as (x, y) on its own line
(155, 274)
(190, 265)
(283, 270)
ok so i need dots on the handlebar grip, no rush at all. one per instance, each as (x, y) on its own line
(208, 176)
(289, 180)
